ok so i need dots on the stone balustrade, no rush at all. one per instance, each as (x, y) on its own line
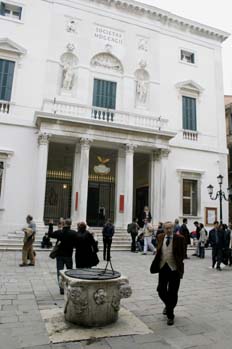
(104, 115)
(4, 107)
(190, 135)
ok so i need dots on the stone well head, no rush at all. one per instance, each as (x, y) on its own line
(92, 296)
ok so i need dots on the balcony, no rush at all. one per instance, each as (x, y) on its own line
(190, 135)
(4, 107)
(104, 116)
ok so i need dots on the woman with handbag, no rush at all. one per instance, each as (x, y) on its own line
(86, 248)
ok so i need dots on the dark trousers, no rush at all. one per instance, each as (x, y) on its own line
(107, 241)
(168, 286)
(216, 256)
(60, 263)
(202, 251)
(133, 242)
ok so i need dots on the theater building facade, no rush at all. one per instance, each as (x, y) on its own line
(106, 107)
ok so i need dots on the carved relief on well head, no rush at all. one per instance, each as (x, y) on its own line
(100, 296)
(125, 291)
(115, 303)
(78, 297)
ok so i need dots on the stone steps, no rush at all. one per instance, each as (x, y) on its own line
(14, 240)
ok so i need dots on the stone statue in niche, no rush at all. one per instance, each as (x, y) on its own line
(142, 84)
(141, 91)
(68, 76)
(68, 62)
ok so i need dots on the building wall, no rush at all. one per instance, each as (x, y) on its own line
(38, 75)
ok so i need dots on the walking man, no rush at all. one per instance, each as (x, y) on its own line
(67, 240)
(185, 233)
(133, 229)
(168, 262)
(107, 234)
(217, 242)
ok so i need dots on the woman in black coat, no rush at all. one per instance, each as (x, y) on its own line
(86, 248)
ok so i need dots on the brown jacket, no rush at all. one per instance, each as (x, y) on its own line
(178, 246)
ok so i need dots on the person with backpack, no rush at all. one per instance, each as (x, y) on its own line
(133, 229)
(107, 234)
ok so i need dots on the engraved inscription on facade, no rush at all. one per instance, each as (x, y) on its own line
(108, 35)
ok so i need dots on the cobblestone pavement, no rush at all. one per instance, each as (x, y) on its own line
(203, 314)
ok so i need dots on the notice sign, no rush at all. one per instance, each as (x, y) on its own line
(108, 35)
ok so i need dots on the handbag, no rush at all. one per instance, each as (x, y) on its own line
(55, 251)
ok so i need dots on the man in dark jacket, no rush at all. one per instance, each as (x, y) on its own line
(217, 241)
(67, 239)
(133, 229)
(168, 262)
(107, 234)
(185, 233)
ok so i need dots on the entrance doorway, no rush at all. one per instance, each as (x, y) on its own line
(101, 188)
(59, 182)
(141, 184)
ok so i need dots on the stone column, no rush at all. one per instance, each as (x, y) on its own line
(129, 181)
(155, 185)
(75, 183)
(119, 187)
(42, 159)
(83, 179)
(158, 168)
(164, 162)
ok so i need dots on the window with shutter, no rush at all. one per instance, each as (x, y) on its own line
(6, 79)
(189, 113)
(190, 205)
(104, 94)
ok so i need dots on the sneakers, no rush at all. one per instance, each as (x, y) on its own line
(23, 265)
(31, 265)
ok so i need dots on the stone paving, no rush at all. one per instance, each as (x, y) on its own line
(203, 314)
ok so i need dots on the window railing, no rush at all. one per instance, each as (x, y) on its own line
(190, 135)
(4, 107)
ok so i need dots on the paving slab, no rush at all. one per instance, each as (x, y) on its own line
(203, 315)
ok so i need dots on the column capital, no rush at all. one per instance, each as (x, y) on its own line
(130, 148)
(43, 138)
(159, 153)
(85, 142)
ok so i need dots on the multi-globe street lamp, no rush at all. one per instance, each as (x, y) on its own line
(220, 194)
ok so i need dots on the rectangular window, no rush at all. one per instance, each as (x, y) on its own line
(6, 79)
(190, 204)
(104, 94)
(9, 10)
(1, 177)
(186, 56)
(189, 113)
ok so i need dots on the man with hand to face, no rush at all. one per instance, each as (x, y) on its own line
(168, 262)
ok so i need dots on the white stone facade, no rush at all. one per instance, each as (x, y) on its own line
(138, 47)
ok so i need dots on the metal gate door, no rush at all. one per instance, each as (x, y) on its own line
(101, 203)
(58, 195)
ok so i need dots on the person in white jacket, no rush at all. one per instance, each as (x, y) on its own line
(147, 231)
(202, 241)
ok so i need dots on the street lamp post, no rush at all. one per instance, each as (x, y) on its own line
(220, 194)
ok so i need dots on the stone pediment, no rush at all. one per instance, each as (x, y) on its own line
(8, 45)
(190, 86)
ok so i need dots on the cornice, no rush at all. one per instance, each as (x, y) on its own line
(162, 16)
